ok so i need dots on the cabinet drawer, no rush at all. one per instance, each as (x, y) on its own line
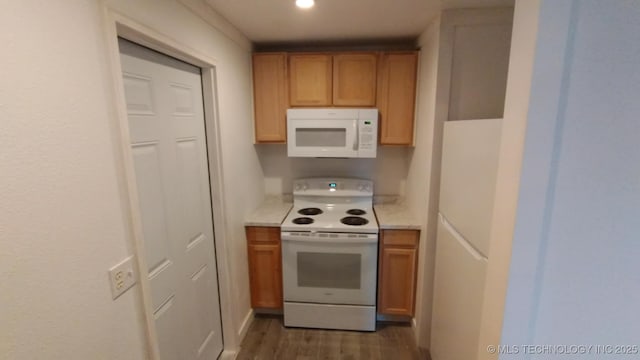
(259, 234)
(400, 237)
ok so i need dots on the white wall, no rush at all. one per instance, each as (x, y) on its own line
(523, 44)
(62, 223)
(423, 177)
(479, 70)
(64, 215)
(388, 171)
(574, 272)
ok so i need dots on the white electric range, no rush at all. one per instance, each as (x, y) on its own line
(330, 255)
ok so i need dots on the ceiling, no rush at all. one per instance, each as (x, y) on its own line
(280, 21)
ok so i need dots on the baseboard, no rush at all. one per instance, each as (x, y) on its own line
(395, 318)
(257, 311)
(228, 355)
(242, 332)
(424, 353)
(414, 328)
(246, 323)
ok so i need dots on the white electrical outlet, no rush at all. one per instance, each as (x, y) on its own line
(122, 277)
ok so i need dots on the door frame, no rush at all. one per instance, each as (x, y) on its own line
(118, 25)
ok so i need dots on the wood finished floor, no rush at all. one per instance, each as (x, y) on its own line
(267, 338)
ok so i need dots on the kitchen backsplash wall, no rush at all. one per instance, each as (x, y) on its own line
(388, 171)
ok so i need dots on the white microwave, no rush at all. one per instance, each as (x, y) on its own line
(339, 133)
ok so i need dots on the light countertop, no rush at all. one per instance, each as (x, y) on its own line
(396, 215)
(271, 212)
(390, 214)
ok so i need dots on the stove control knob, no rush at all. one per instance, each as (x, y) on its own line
(360, 187)
(298, 187)
(367, 187)
(305, 186)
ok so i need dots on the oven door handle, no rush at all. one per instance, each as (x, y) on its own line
(356, 138)
(324, 240)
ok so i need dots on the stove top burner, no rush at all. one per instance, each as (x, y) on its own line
(309, 211)
(356, 212)
(303, 220)
(354, 220)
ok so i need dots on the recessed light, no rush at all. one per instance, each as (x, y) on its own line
(305, 4)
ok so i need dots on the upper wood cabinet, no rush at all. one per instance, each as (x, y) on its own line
(344, 79)
(397, 73)
(354, 79)
(270, 97)
(310, 79)
(386, 80)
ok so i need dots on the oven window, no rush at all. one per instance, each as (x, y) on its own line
(321, 137)
(331, 271)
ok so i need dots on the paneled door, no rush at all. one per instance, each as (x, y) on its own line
(168, 144)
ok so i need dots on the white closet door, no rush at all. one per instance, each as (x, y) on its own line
(166, 121)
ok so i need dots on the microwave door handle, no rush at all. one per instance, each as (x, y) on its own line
(356, 139)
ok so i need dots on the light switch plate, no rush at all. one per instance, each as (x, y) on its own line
(122, 277)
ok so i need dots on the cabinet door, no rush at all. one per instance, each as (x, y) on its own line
(265, 276)
(397, 272)
(354, 79)
(265, 266)
(396, 97)
(397, 291)
(270, 97)
(310, 79)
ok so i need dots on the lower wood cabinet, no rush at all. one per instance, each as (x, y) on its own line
(397, 269)
(265, 266)
(398, 263)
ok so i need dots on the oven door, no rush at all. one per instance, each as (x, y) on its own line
(330, 268)
(322, 138)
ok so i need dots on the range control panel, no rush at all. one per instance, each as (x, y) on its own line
(333, 186)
